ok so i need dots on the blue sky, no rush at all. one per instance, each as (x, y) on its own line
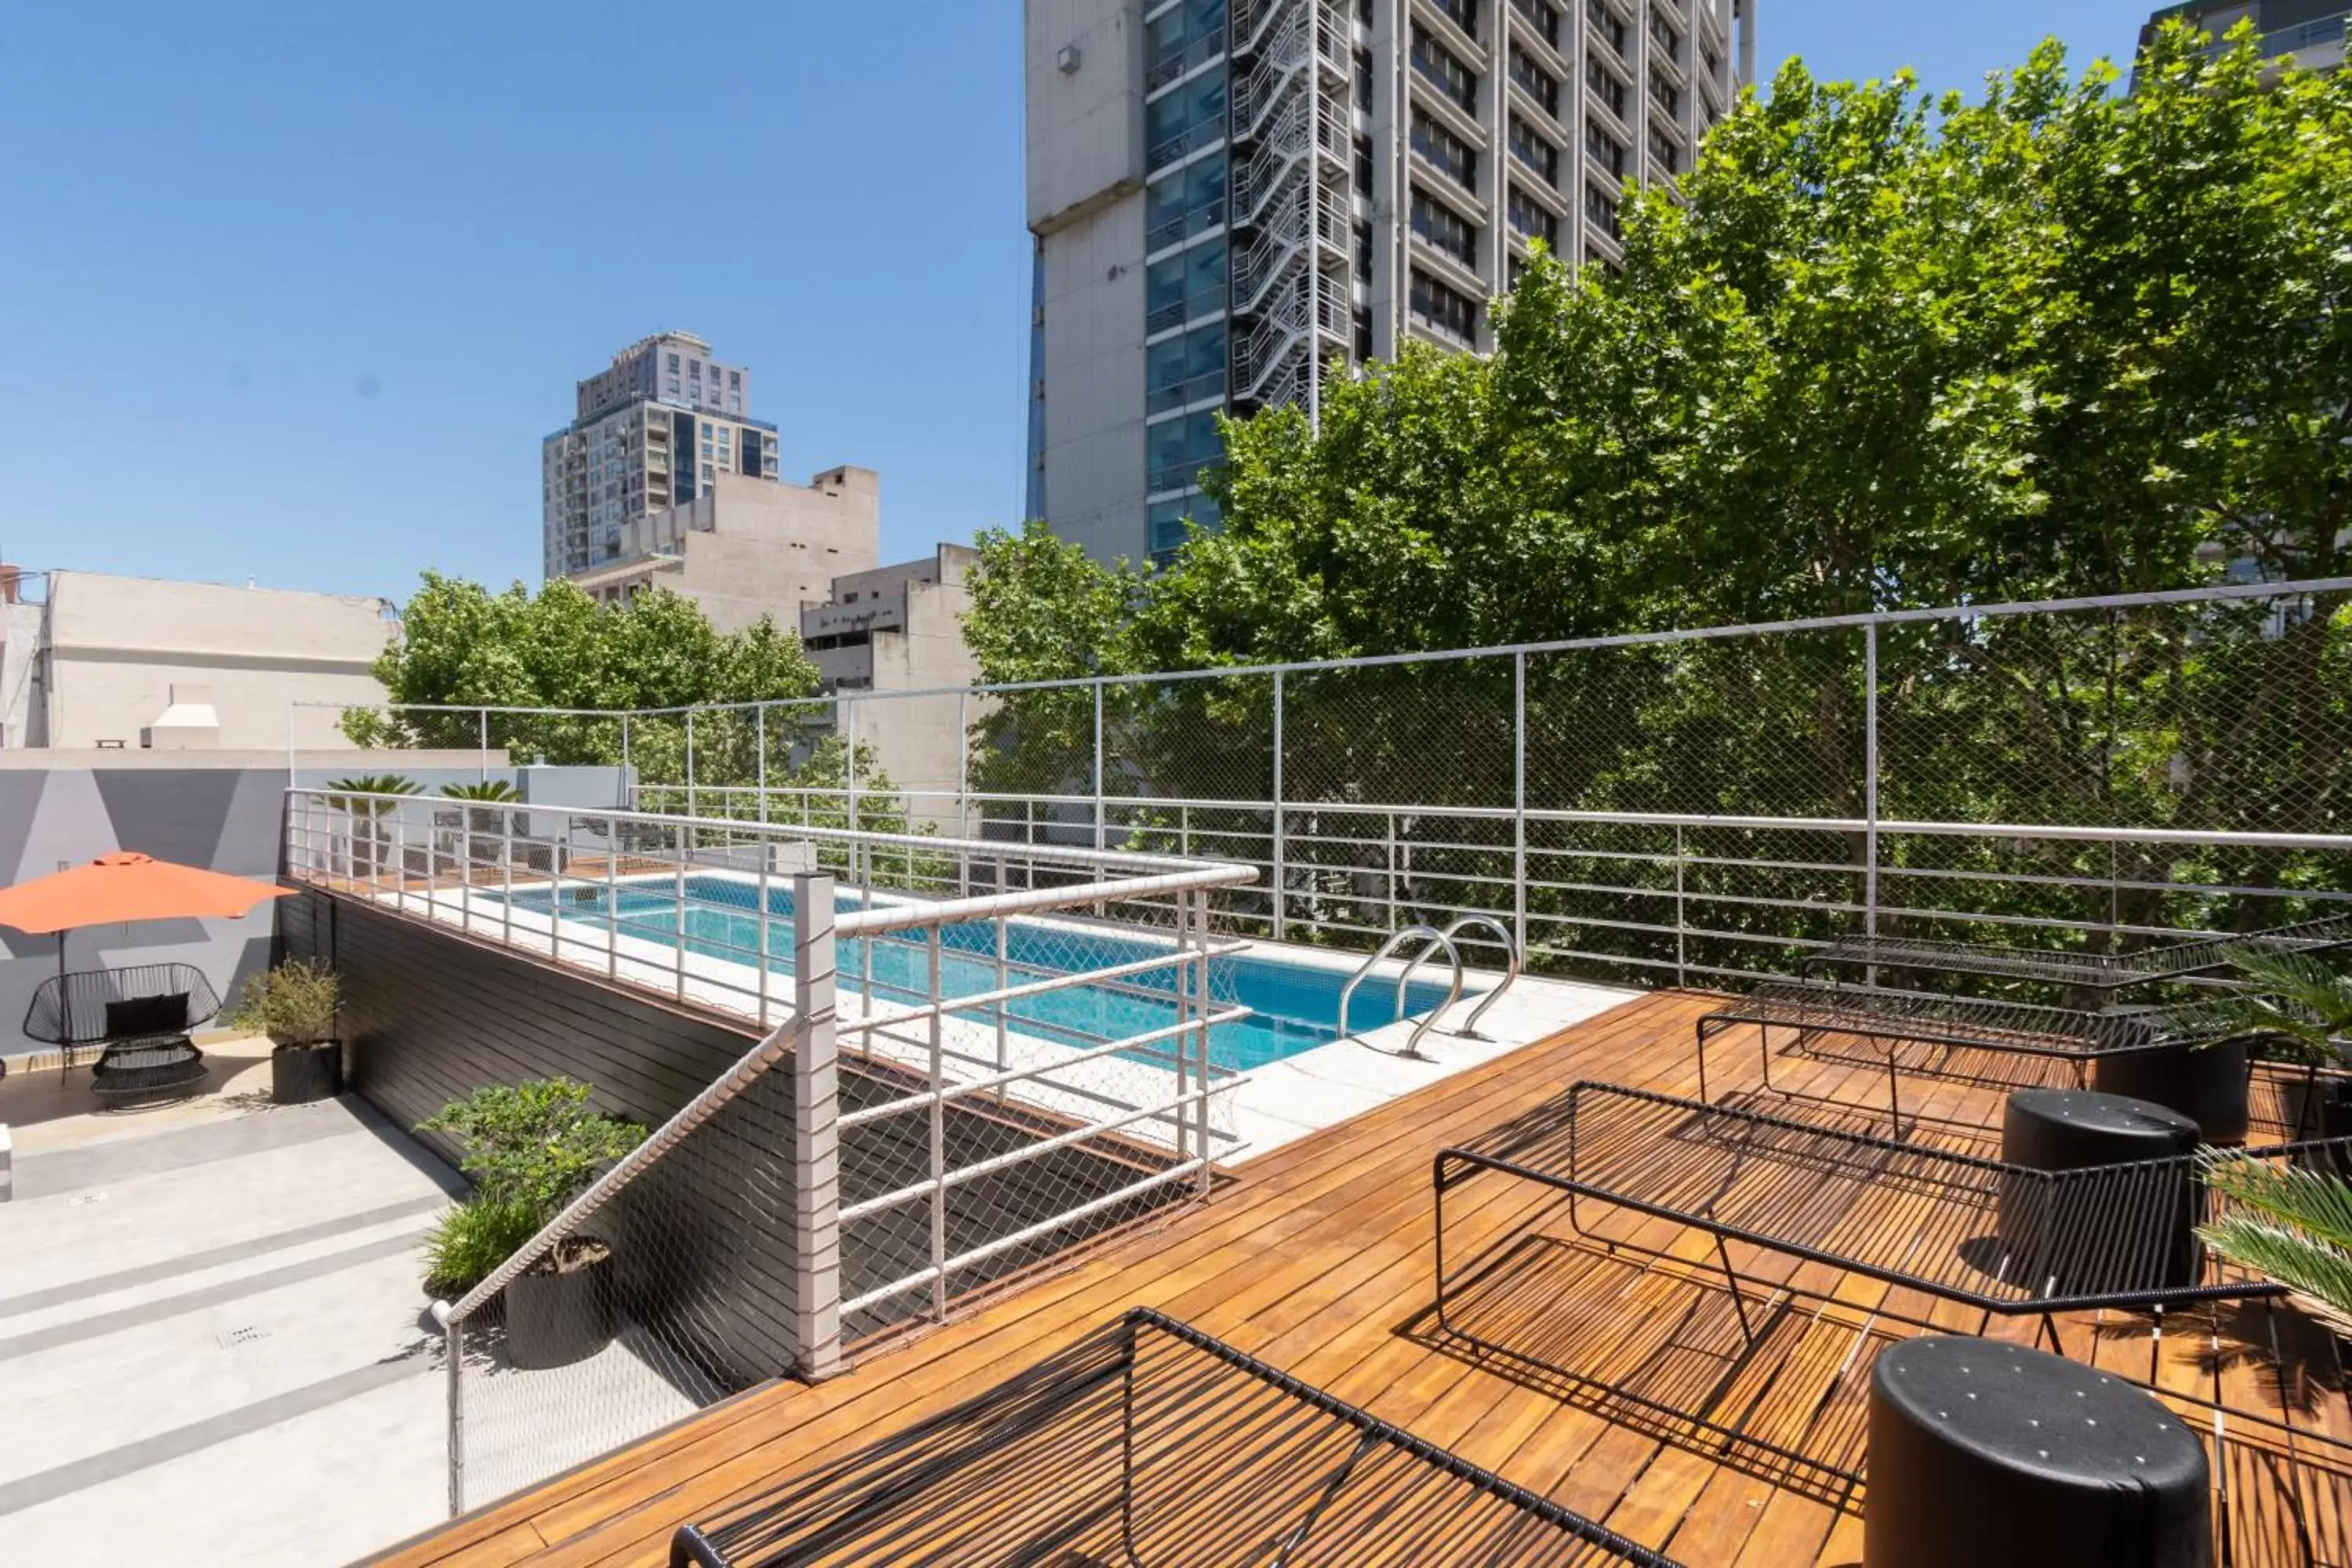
(293, 291)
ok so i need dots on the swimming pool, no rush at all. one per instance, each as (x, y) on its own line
(1294, 1006)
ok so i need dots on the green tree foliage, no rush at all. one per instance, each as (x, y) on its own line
(1889, 352)
(462, 645)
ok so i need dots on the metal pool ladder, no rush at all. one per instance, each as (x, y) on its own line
(1434, 941)
(1512, 963)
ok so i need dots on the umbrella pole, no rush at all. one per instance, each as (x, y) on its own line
(65, 1010)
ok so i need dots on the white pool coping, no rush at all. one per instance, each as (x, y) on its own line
(1258, 1110)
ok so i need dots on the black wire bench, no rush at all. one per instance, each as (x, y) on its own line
(2003, 1239)
(138, 1018)
(1941, 1026)
(2096, 971)
(1150, 1442)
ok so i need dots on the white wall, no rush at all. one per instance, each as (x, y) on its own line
(116, 646)
(1094, 380)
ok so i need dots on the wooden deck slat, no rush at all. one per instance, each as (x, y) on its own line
(1318, 1259)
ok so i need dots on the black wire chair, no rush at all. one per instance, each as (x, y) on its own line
(115, 1009)
(1150, 1442)
(2097, 972)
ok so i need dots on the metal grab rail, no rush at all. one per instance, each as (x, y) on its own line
(1510, 970)
(1436, 939)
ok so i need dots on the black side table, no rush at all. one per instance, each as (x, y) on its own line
(1986, 1453)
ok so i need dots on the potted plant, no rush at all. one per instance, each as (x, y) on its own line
(360, 798)
(2294, 1223)
(294, 1005)
(481, 820)
(531, 1148)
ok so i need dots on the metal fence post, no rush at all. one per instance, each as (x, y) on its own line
(963, 764)
(816, 1109)
(1519, 801)
(453, 1358)
(483, 757)
(759, 741)
(628, 790)
(1099, 764)
(613, 902)
(849, 770)
(689, 764)
(1281, 878)
(1200, 900)
(680, 865)
(938, 1129)
(1870, 778)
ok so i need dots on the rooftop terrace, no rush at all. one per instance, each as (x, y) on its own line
(1317, 1259)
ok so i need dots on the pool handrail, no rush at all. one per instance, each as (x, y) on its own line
(1511, 969)
(1433, 938)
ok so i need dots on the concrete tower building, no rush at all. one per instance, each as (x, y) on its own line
(654, 430)
(1230, 195)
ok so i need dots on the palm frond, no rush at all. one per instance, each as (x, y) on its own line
(2294, 997)
(2316, 1204)
(2299, 1262)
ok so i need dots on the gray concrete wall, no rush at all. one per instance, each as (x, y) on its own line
(224, 818)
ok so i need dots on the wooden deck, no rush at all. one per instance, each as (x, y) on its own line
(1317, 1258)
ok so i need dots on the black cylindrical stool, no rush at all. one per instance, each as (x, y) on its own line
(1987, 1453)
(2206, 1084)
(2062, 1238)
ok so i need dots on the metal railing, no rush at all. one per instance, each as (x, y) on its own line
(1699, 805)
(993, 1052)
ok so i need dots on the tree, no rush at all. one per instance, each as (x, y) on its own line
(461, 646)
(1882, 351)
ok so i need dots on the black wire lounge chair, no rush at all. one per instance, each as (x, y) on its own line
(2003, 1239)
(2104, 973)
(1150, 1442)
(1768, 1197)
(1934, 1027)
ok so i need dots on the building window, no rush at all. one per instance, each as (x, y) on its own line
(1184, 37)
(1363, 334)
(1665, 94)
(1667, 151)
(1183, 121)
(1605, 151)
(1607, 24)
(1601, 211)
(1364, 79)
(1180, 288)
(1182, 371)
(1533, 219)
(1364, 166)
(1663, 34)
(1605, 87)
(1543, 16)
(673, 364)
(1189, 202)
(1445, 311)
(1451, 155)
(1539, 83)
(1179, 448)
(1363, 253)
(1533, 150)
(1462, 13)
(1167, 518)
(735, 378)
(1439, 67)
(1446, 229)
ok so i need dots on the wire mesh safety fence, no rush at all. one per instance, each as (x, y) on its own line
(1706, 805)
(969, 1056)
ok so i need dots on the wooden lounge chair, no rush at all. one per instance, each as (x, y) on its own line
(1150, 1442)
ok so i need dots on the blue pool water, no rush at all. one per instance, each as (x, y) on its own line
(1292, 1007)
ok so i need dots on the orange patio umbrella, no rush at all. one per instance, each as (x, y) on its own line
(127, 886)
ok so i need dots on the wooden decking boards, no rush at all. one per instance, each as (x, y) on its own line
(1317, 1258)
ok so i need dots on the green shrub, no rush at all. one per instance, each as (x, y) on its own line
(293, 1004)
(534, 1145)
(471, 1240)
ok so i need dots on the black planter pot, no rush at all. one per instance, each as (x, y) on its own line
(554, 1320)
(299, 1074)
(2324, 1109)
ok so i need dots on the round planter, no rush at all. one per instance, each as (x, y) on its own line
(556, 1318)
(299, 1074)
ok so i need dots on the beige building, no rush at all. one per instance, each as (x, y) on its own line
(747, 548)
(133, 663)
(901, 629)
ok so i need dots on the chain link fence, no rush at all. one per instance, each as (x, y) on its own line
(1693, 807)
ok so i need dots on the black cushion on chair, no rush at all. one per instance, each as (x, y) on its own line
(1983, 1453)
(142, 1015)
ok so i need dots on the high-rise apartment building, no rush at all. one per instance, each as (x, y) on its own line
(2307, 33)
(654, 430)
(1229, 195)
